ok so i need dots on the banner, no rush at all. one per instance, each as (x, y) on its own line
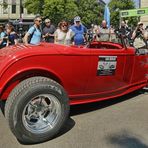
(134, 12)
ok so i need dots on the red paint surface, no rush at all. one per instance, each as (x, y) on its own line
(75, 69)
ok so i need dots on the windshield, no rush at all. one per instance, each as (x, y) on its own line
(107, 37)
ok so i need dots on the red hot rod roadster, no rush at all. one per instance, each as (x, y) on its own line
(39, 83)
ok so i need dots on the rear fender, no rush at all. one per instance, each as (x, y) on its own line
(14, 80)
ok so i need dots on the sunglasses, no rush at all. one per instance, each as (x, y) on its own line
(47, 22)
(64, 25)
(40, 21)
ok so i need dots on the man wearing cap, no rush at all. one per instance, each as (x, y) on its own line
(79, 31)
(139, 36)
(48, 31)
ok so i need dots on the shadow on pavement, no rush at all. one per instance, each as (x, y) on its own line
(2, 106)
(67, 127)
(85, 108)
(126, 140)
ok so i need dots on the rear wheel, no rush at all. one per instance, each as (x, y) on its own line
(36, 109)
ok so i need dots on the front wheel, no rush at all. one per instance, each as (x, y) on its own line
(37, 109)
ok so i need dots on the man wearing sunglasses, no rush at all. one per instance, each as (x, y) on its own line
(79, 31)
(48, 31)
(33, 36)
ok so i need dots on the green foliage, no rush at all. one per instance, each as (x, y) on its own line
(116, 6)
(90, 11)
(58, 10)
(34, 6)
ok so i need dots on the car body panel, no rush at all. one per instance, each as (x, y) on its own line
(77, 68)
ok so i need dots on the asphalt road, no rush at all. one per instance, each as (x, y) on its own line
(118, 123)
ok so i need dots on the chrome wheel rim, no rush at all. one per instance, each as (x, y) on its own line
(42, 113)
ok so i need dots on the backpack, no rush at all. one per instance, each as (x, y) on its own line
(30, 37)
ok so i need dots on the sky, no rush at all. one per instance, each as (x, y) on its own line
(136, 2)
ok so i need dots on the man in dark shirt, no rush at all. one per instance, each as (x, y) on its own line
(48, 31)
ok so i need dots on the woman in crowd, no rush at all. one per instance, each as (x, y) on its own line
(63, 35)
(2, 35)
(96, 36)
(11, 36)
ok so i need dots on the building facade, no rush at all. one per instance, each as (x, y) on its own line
(143, 4)
(13, 10)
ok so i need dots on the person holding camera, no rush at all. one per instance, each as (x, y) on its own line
(139, 36)
(124, 30)
(146, 29)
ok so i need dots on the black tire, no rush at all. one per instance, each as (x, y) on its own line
(145, 90)
(18, 104)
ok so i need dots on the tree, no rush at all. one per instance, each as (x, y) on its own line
(90, 11)
(34, 6)
(58, 10)
(116, 6)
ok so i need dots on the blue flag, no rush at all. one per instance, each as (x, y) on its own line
(107, 15)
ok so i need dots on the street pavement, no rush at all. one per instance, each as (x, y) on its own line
(117, 123)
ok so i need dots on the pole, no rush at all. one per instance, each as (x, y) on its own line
(20, 23)
(20, 10)
(120, 18)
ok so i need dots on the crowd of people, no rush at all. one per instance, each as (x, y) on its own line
(137, 37)
(8, 36)
(76, 34)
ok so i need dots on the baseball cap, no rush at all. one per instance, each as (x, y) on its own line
(140, 23)
(77, 19)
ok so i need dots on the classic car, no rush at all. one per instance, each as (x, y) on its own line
(40, 83)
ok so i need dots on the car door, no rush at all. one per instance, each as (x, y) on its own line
(111, 71)
(140, 69)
